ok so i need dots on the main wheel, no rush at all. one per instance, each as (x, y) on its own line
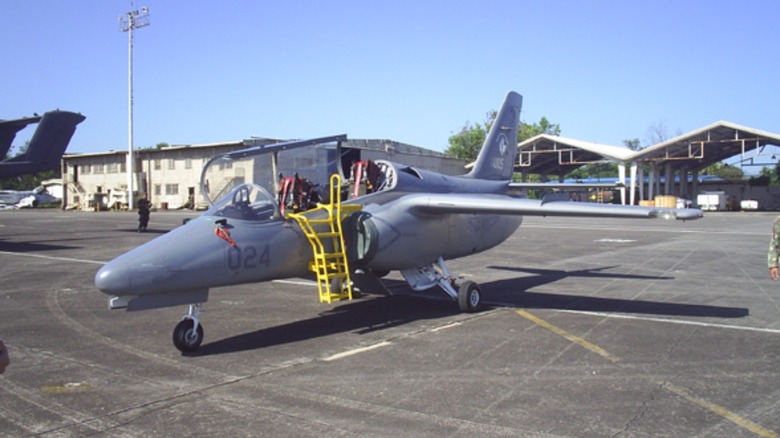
(185, 338)
(469, 297)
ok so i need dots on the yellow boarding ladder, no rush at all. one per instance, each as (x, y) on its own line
(327, 241)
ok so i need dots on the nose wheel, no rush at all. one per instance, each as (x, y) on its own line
(188, 333)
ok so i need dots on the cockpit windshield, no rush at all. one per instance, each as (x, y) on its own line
(249, 202)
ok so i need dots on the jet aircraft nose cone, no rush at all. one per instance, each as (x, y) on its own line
(112, 279)
(139, 272)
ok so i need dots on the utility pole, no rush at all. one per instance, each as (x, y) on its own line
(129, 22)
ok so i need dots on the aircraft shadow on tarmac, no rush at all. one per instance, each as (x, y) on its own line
(25, 247)
(360, 316)
(515, 292)
(147, 231)
(405, 306)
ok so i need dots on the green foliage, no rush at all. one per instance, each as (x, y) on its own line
(725, 171)
(29, 181)
(632, 144)
(543, 127)
(766, 177)
(467, 143)
(595, 170)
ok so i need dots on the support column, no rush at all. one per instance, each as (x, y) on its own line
(622, 179)
(632, 187)
(651, 185)
(668, 178)
(641, 181)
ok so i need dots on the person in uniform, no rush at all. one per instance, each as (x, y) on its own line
(774, 250)
(143, 213)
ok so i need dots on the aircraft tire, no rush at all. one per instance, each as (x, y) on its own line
(184, 338)
(381, 273)
(469, 297)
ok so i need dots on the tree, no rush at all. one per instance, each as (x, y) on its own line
(725, 171)
(543, 127)
(632, 144)
(767, 176)
(466, 143)
(29, 181)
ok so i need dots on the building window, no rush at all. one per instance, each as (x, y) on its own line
(171, 164)
(188, 163)
(171, 189)
(157, 165)
(111, 168)
(85, 168)
(157, 189)
(97, 168)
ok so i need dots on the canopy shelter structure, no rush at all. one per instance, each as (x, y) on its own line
(554, 155)
(679, 160)
(673, 162)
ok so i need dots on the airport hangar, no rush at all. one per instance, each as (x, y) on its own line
(171, 175)
(672, 167)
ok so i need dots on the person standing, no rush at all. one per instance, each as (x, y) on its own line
(774, 250)
(143, 213)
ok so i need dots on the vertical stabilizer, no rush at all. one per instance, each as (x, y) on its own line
(46, 146)
(8, 130)
(497, 158)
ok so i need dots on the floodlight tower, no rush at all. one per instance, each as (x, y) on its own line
(129, 22)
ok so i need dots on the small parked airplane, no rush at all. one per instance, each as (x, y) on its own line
(48, 143)
(412, 221)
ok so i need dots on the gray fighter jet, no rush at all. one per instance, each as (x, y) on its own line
(412, 221)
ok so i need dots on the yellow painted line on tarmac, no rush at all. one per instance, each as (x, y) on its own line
(723, 412)
(573, 338)
(712, 407)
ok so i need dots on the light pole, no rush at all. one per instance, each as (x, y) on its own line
(129, 22)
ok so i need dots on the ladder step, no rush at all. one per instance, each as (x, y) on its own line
(329, 259)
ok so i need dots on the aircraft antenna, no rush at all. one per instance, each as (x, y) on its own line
(132, 20)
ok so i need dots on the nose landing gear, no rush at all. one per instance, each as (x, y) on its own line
(188, 334)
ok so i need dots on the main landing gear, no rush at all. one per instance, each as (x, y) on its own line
(188, 334)
(467, 295)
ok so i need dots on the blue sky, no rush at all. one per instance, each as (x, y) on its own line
(411, 71)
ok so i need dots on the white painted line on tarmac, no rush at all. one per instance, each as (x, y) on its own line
(670, 321)
(296, 282)
(62, 259)
(356, 351)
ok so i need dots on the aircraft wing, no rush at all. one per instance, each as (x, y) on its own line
(557, 185)
(500, 204)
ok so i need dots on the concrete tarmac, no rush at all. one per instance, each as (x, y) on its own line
(597, 328)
